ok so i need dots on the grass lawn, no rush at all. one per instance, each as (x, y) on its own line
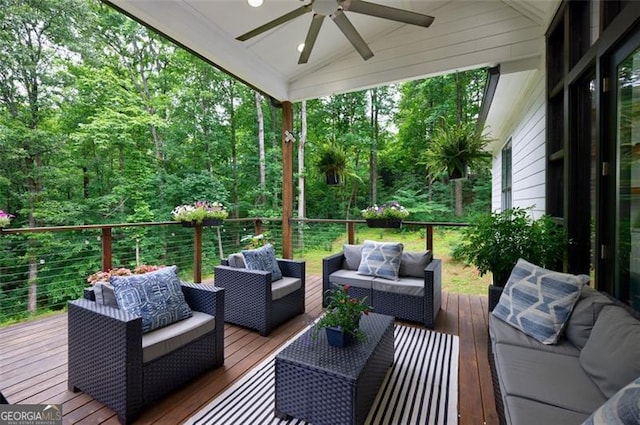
(456, 276)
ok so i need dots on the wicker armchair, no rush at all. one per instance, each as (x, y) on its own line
(106, 352)
(249, 295)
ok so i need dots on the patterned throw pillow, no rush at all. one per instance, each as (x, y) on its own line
(539, 301)
(621, 409)
(381, 259)
(263, 258)
(156, 297)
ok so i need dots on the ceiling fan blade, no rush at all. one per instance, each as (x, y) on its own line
(278, 21)
(352, 35)
(312, 35)
(386, 12)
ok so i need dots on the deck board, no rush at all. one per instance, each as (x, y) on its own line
(33, 369)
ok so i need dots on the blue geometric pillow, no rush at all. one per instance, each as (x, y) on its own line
(156, 297)
(381, 259)
(263, 258)
(621, 409)
(539, 301)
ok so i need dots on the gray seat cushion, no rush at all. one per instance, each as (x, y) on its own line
(165, 340)
(352, 255)
(413, 263)
(237, 260)
(584, 315)
(502, 332)
(521, 411)
(550, 378)
(610, 356)
(285, 286)
(105, 295)
(406, 286)
(350, 277)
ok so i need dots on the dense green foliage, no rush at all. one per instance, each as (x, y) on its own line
(496, 241)
(103, 121)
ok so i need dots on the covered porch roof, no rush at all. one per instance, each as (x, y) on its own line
(465, 34)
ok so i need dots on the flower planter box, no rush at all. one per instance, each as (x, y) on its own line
(205, 222)
(384, 222)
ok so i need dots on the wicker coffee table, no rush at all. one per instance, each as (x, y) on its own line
(327, 385)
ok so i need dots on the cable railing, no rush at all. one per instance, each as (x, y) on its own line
(42, 268)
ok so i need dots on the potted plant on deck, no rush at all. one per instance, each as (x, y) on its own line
(200, 213)
(389, 214)
(494, 243)
(342, 319)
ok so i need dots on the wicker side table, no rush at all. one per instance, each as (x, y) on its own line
(328, 385)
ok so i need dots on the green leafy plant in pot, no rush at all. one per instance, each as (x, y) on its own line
(494, 243)
(332, 162)
(343, 316)
(455, 149)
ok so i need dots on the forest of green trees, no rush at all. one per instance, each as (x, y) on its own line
(101, 120)
(104, 121)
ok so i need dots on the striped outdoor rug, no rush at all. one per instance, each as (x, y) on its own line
(420, 388)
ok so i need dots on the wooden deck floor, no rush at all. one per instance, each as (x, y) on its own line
(33, 364)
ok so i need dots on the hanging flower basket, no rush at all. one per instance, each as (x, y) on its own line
(333, 178)
(392, 223)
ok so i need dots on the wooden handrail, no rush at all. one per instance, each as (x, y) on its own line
(106, 234)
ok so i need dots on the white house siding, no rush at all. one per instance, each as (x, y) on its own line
(525, 125)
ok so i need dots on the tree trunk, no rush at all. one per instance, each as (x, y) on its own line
(263, 171)
(234, 148)
(458, 189)
(301, 193)
(373, 155)
(459, 106)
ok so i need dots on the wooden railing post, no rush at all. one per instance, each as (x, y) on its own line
(287, 179)
(351, 233)
(197, 254)
(257, 227)
(107, 253)
(429, 235)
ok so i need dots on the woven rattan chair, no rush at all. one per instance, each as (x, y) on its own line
(106, 352)
(251, 298)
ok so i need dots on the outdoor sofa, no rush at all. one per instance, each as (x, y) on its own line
(413, 295)
(112, 360)
(258, 299)
(588, 369)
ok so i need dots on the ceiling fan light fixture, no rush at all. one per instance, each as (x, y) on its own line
(255, 3)
(324, 7)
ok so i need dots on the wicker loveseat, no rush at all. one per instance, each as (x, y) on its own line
(113, 361)
(415, 296)
(254, 300)
(590, 368)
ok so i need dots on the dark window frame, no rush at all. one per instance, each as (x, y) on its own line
(571, 60)
(507, 175)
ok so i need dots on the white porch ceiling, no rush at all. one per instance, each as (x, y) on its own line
(466, 34)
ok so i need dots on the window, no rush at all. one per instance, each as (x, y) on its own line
(506, 176)
(592, 149)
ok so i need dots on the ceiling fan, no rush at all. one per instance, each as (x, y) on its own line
(335, 10)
